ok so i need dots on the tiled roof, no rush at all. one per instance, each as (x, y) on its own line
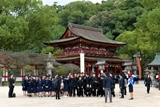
(156, 61)
(86, 32)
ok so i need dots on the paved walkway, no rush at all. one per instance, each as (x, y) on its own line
(141, 99)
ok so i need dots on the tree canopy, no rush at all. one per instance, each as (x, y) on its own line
(25, 24)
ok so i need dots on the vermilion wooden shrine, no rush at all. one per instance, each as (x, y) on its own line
(97, 48)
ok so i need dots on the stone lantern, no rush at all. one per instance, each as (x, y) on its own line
(49, 66)
(146, 71)
(152, 73)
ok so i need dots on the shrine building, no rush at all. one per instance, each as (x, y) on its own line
(88, 48)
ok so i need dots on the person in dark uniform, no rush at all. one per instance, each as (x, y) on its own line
(52, 87)
(113, 85)
(97, 88)
(11, 86)
(75, 82)
(34, 87)
(125, 82)
(80, 87)
(84, 82)
(24, 85)
(101, 91)
(47, 86)
(71, 85)
(93, 84)
(66, 86)
(121, 85)
(87, 79)
(147, 83)
(29, 87)
(87, 91)
(57, 86)
(43, 85)
(39, 85)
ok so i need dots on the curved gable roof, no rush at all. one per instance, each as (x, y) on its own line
(156, 61)
(90, 33)
(86, 32)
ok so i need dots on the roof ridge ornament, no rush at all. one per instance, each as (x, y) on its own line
(84, 27)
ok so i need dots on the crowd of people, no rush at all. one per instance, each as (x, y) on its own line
(70, 85)
(78, 84)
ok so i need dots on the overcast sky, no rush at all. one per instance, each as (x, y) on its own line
(64, 2)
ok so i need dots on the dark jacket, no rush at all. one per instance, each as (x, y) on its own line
(80, 83)
(58, 80)
(121, 82)
(148, 81)
(107, 83)
(75, 81)
(11, 82)
(93, 82)
(71, 82)
(88, 89)
(113, 82)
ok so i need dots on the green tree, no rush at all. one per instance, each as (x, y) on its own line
(136, 42)
(24, 24)
(120, 16)
(77, 12)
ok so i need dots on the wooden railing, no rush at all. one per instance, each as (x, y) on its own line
(75, 52)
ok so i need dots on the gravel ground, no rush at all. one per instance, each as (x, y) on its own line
(141, 99)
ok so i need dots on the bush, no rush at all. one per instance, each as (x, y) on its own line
(60, 70)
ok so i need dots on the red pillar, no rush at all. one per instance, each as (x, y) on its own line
(96, 71)
(88, 69)
(121, 68)
(106, 68)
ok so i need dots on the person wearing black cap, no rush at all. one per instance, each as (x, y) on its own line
(11, 86)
